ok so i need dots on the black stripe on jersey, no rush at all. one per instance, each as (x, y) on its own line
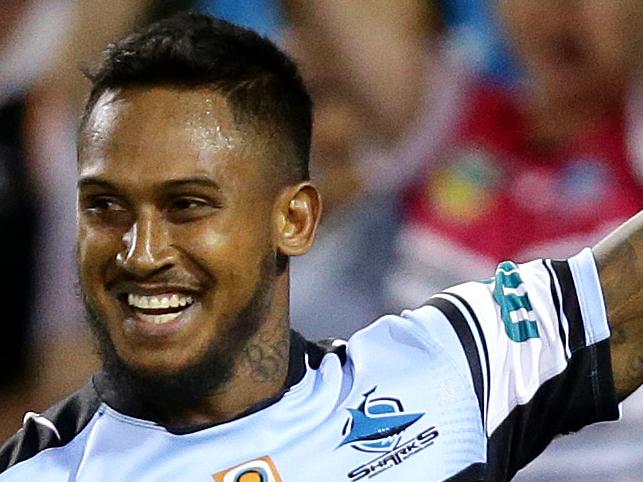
(473, 473)
(554, 297)
(580, 395)
(571, 308)
(463, 331)
(69, 417)
(483, 341)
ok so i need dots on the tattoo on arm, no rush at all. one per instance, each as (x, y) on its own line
(620, 265)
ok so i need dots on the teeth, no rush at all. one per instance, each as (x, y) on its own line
(158, 302)
(159, 319)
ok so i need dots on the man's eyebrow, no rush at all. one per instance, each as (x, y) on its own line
(204, 181)
(94, 181)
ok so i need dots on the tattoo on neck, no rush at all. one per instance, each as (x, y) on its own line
(267, 359)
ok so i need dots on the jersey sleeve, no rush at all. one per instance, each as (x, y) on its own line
(536, 338)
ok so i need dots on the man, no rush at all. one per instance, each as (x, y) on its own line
(193, 193)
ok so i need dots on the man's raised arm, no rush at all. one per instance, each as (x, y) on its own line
(620, 267)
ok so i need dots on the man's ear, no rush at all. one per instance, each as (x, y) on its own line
(297, 214)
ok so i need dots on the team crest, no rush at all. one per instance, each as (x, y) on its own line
(377, 424)
(259, 470)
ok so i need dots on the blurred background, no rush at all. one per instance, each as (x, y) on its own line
(449, 135)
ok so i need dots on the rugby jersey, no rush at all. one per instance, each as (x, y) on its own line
(470, 386)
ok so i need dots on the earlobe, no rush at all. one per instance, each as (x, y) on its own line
(298, 213)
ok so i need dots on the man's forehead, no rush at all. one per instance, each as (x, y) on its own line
(155, 111)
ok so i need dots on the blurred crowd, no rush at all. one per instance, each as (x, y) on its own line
(449, 135)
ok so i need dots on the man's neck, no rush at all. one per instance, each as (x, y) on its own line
(259, 373)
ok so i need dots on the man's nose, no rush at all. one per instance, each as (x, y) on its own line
(146, 247)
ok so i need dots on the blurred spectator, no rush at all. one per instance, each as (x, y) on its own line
(524, 170)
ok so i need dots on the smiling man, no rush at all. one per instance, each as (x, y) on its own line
(186, 213)
(193, 193)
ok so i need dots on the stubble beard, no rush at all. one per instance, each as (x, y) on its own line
(160, 393)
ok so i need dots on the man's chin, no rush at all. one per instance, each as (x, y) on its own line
(154, 367)
(170, 385)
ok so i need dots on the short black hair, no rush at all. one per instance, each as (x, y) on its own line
(261, 83)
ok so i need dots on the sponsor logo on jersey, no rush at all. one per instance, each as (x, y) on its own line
(376, 425)
(259, 470)
(510, 294)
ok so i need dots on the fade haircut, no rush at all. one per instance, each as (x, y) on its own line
(261, 84)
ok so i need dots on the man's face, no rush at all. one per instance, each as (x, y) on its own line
(175, 225)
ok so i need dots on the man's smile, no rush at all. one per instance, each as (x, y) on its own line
(159, 309)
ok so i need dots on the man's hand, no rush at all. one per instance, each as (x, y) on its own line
(620, 267)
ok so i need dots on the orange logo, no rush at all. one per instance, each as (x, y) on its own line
(259, 470)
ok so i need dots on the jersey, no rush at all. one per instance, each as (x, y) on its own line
(470, 386)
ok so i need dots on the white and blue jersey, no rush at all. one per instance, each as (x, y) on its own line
(470, 386)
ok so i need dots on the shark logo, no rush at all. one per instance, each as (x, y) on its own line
(377, 424)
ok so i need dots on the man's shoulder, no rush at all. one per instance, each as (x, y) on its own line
(56, 427)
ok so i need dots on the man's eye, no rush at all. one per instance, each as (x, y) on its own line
(104, 204)
(184, 204)
(192, 204)
(185, 209)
